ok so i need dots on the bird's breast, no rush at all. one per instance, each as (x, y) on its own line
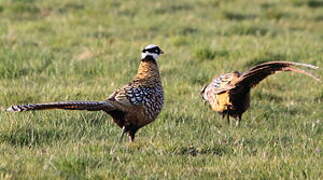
(149, 99)
(221, 102)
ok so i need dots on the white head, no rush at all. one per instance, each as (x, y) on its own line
(152, 51)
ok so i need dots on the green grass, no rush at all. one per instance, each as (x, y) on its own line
(83, 50)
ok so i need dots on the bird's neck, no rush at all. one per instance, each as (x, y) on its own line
(148, 70)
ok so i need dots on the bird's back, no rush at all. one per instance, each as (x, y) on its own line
(217, 92)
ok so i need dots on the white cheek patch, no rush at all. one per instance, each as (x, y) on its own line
(145, 54)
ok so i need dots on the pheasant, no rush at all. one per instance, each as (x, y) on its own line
(132, 106)
(229, 94)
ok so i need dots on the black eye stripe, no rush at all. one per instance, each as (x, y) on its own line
(153, 50)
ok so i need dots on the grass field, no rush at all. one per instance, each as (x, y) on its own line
(83, 50)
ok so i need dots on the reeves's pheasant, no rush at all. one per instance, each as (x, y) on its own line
(133, 106)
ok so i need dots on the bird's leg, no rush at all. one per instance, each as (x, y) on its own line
(238, 119)
(131, 133)
(124, 130)
(131, 137)
(228, 118)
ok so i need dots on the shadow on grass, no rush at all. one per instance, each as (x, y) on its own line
(127, 12)
(268, 5)
(319, 98)
(173, 8)
(179, 118)
(315, 3)
(24, 9)
(239, 16)
(281, 140)
(251, 30)
(218, 150)
(70, 7)
(319, 18)
(277, 15)
(23, 1)
(310, 3)
(293, 111)
(187, 31)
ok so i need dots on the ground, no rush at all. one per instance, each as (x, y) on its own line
(83, 50)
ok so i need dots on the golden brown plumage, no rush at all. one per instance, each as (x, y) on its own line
(133, 106)
(229, 94)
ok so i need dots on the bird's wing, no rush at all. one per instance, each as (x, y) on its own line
(219, 85)
(129, 95)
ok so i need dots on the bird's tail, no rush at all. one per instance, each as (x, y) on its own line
(256, 74)
(69, 105)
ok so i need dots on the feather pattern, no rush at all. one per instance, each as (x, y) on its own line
(229, 94)
(71, 105)
(133, 106)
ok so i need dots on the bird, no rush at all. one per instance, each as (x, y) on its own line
(132, 106)
(229, 94)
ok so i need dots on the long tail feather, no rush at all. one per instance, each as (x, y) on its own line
(70, 105)
(303, 64)
(256, 74)
(302, 72)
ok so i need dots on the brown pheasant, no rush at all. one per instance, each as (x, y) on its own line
(133, 106)
(229, 94)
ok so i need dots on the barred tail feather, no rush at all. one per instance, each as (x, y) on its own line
(70, 105)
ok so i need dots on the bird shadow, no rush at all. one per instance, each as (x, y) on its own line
(216, 150)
